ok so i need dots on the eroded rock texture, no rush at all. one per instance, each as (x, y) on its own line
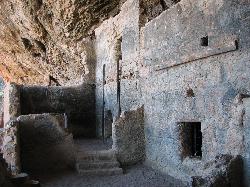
(44, 38)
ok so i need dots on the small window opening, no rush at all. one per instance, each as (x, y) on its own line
(191, 139)
(204, 41)
(236, 44)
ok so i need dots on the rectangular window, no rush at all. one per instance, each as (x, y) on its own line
(191, 139)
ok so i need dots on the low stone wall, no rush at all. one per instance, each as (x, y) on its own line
(45, 145)
(78, 102)
(128, 137)
(11, 102)
(11, 146)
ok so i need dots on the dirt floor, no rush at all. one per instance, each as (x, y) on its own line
(135, 176)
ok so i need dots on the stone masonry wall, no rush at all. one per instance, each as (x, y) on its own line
(11, 146)
(128, 137)
(77, 102)
(246, 156)
(191, 81)
(117, 42)
(1, 103)
(11, 102)
(1, 94)
(45, 144)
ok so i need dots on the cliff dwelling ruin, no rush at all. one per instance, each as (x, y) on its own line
(139, 93)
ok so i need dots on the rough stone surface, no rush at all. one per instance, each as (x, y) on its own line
(1, 94)
(77, 102)
(117, 38)
(186, 62)
(218, 82)
(128, 137)
(12, 108)
(246, 156)
(45, 144)
(46, 38)
(11, 146)
(223, 172)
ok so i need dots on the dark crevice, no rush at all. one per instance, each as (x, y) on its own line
(176, 1)
(190, 93)
(36, 54)
(41, 45)
(39, 3)
(27, 44)
(163, 4)
(53, 81)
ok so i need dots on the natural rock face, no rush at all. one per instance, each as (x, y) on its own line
(44, 38)
(152, 8)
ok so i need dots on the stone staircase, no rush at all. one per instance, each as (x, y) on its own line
(101, 162)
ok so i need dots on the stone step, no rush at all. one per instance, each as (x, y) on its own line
(32, 183)
(97, 165)
(19, 179)
(96, 155)
(101, 172)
